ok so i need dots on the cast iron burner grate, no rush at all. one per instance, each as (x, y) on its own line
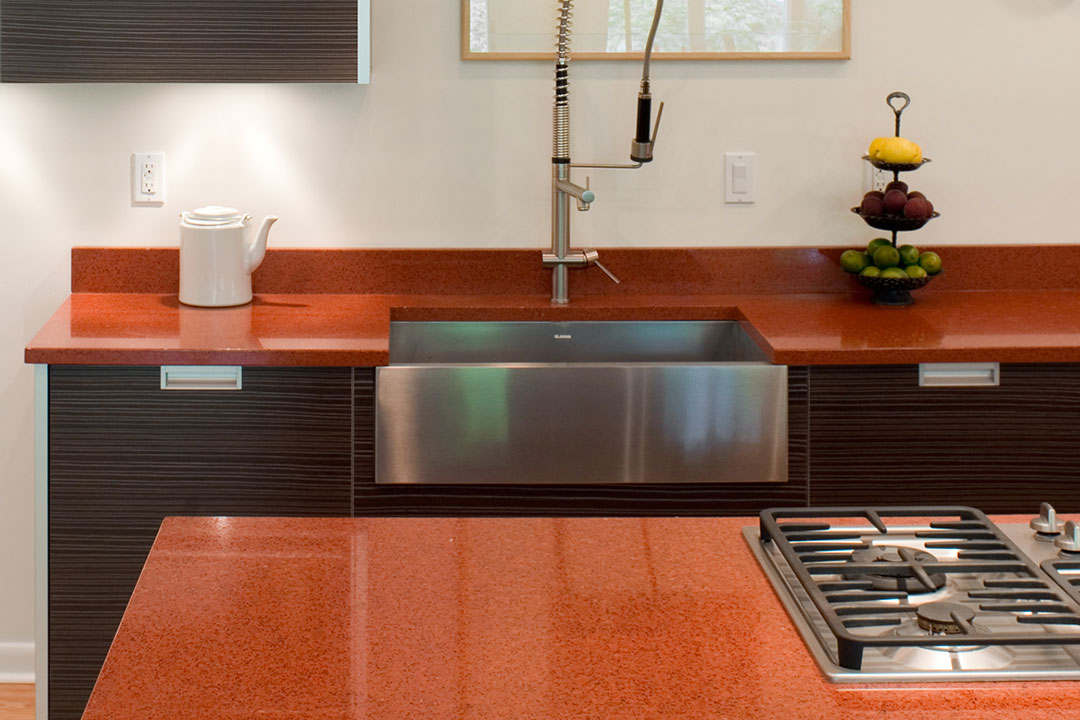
(1066, 573)
(898, 568)
(1007, 600)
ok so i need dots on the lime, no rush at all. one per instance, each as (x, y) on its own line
(930, 262)
(915, 271)
(886, 257)
(870, 271)
(853, 260)
(876, 243)
(893, 272)
(909, 254)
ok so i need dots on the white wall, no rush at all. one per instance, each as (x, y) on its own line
(436, 152)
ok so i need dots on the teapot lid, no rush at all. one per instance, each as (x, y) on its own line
(214, 215)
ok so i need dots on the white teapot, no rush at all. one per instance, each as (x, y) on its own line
(218, 253)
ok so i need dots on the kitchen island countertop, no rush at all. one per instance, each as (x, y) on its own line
(394, 618)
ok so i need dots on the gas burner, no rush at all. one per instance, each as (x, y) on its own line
(938, 658)
(945, 618)
(901, 569)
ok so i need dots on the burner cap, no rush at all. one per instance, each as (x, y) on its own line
(944, 617)
(896, 572)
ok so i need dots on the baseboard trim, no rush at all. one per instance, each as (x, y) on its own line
(16, 662)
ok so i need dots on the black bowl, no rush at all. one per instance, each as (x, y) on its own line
(894, 291)
(896, 223)
(895, 167)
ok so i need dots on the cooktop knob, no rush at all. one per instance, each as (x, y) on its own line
(1047, 525)
(1069, 541)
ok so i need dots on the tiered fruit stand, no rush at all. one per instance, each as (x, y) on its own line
(889, 290)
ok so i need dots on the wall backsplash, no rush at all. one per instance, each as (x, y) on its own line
(440, 153)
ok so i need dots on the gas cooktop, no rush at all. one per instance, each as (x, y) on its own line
(894, 594)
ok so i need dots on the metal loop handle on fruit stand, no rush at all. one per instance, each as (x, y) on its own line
(897, 110)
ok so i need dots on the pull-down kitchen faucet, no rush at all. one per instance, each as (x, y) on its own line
(561, 257)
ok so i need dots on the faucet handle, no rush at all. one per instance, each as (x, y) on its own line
(586, 258)
(607, 272)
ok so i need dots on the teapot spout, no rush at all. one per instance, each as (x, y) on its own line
(257, 250)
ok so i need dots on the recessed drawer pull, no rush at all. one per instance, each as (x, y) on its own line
(959, 374)
(201, 377)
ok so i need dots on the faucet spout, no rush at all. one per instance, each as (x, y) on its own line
(584, 195)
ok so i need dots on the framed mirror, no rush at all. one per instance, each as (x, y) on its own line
(689, 29)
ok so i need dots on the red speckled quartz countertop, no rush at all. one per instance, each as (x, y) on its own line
(395, 619)
(334, 307)
(353, 330)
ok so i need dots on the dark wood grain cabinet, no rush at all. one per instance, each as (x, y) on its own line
(124, 454)
(191, 41)
(876, 437)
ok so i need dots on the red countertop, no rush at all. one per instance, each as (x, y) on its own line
(322, 307)
(387, 619)
(353, 330)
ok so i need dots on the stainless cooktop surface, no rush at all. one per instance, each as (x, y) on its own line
(921, 593)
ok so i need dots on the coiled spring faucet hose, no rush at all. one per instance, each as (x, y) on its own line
(561, 133)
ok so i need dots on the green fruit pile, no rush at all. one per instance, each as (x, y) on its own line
(881, 259)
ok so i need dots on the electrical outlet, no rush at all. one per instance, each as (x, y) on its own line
(148, 178)
(874, 179)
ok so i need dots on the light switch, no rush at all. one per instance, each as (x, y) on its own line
(740, 184)
(739, 177)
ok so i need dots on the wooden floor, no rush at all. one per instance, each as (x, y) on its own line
(16, 702)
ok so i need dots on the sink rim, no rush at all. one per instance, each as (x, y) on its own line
(584, 342)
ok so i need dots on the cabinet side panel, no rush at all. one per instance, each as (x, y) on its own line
(125, 454)
(41, 541)
(876, 437)
(581, 500)
(169, 41)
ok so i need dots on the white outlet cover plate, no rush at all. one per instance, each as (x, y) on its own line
(154, 164)
(874, 179)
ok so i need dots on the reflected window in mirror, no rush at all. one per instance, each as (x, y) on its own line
(689, 29)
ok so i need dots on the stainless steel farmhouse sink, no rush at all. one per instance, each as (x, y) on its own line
(579, 403)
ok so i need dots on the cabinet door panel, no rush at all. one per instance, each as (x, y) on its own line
(170, 41)
(876, 437)
(124, 454)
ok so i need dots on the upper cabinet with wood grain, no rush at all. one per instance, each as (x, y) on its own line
(73, 41)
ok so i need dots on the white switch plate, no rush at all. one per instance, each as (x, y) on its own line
(148, 178)
(739, 174)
